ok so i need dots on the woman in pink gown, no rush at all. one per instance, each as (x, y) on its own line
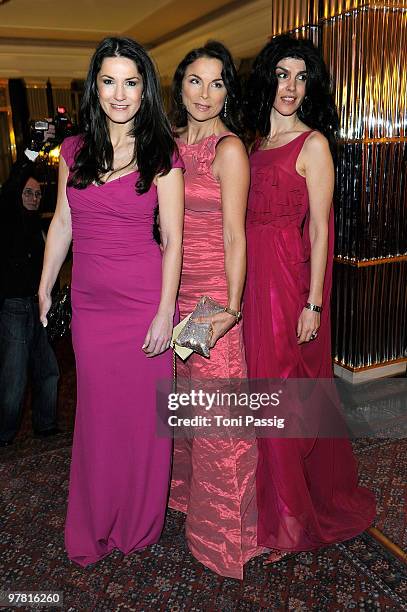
(307, 488)
(213, 479)
(123, 300)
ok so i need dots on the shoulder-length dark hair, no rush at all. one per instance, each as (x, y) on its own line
(154, 144)
(317, 110)
(212, 50)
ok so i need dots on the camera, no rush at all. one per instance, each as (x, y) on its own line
(50, 132)
(40, 132)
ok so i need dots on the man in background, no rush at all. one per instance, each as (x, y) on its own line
(24, 345)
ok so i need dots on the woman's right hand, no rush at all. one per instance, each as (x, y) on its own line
(45, 302)
(158, 337)
(221, 323)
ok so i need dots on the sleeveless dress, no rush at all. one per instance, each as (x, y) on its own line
(213, 480)
(307, 490)
(120, 470)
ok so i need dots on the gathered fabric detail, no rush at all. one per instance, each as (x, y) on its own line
(271, 202)
(204, 155)
(202, 189)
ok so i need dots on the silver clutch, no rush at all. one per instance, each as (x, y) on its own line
(196, 335)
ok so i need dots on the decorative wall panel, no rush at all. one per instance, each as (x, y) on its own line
(369, 311)
(331, 8)
(366, 52)
(309, 31)
(287, 16)
(371, 200)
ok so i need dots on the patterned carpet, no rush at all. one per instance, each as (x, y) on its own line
(359, 574)
(383, 469)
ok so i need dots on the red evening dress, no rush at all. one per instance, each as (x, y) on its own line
(213, 479)
(307, 490)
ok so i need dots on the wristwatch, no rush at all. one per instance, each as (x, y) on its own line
(235, 313)
(313, 307)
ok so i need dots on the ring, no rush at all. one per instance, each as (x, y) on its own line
(313, 336)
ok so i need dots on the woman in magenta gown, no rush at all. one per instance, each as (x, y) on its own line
(123, 300)
(213, 479)
(307, 489)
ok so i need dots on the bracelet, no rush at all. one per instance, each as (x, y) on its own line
(235, 313)
(313, 307)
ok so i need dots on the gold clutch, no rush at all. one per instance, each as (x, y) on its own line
(195, 335)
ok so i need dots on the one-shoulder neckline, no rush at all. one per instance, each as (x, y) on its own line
(284, 145)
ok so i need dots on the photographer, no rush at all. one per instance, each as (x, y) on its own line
(24, 345)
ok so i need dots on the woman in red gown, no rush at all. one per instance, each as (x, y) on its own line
(307, 491)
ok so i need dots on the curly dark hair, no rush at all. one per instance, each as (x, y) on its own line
(154, 144)
(317, 110)
(212, 50)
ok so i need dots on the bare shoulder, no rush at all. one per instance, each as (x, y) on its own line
(314, 154)
(315, 144)
(231, 160)
(230, 148)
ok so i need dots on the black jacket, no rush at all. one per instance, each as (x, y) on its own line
(21, 250)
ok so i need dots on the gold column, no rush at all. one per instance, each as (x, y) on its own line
(291, 15)
(365, 47)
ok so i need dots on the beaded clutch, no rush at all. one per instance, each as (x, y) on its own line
(196, 334)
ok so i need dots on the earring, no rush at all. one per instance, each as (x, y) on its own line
(142, 96)
(225, 107)
(301, 109)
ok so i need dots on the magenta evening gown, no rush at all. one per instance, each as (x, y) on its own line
(307, 490)
(120, 470)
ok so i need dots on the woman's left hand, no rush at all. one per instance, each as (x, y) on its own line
(308, 325)
(221, 323)
(158, 337)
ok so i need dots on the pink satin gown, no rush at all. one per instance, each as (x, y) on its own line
(213, 480)
(307, 491)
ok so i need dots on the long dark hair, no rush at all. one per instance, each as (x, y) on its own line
(212, 50)
(153, 146)
(317, 110)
